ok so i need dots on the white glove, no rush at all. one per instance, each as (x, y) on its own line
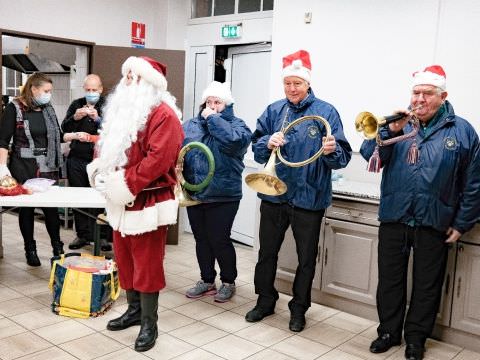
(99, 183)
(4, 171)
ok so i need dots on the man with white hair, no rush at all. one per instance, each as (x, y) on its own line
(309, 188)
(429, 199)
(135, 170)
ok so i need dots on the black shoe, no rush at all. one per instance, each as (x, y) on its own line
(78, 243)
(297, 322)
(105, 246)
(32, 258)
(257, 314)
(383, 343)
(414, 352)
(58, 248)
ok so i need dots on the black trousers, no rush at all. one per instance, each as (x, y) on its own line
(274, 222)
(429, 262)
(77, 177)
(211, 224)
(26, 223)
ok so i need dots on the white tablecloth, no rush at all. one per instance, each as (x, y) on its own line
(57, 196)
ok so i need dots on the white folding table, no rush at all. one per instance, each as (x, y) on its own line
(56, 196)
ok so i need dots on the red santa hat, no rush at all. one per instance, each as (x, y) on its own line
(297, 64)
(218, 90)
(431, 75)
(148, 69)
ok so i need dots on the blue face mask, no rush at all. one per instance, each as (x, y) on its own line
(43, 99)
(92, 97)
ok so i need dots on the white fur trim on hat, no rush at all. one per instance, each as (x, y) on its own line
(298, 70)
(142, 67)
(218, 90)
(429, 78)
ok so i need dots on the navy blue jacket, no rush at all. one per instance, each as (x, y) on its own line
(309, 186)
(442, 189)
(228, 137)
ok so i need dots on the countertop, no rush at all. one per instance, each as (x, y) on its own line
(356, 190)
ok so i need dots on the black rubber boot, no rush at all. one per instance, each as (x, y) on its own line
(148, 330)
(31, 253)
(131, 317)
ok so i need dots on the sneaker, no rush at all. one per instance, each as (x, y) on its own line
(78, 243)
(201, 289)
(225, 293)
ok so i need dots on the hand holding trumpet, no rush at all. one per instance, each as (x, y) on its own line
(397, 126)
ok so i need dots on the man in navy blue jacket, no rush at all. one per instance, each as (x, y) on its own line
(426, 204)
(309, 190)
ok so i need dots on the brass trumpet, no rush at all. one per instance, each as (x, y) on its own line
(370, 125)
(267, 182)
(181, 193)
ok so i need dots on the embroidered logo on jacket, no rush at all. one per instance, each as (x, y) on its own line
(450, 143)
(313, 131)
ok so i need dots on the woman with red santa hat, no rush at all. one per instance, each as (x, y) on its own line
(135, 170)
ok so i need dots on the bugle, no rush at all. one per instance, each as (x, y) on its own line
(369, 125)
(182, 186)
(267, 182)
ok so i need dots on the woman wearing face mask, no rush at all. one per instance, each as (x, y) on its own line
(30, 121)
(228, 137)
(80, 127)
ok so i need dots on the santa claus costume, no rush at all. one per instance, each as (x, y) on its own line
(135, 170)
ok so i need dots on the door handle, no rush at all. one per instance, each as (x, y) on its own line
(326, 257)
(459, 286)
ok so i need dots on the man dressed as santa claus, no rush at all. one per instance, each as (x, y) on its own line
(135, 170)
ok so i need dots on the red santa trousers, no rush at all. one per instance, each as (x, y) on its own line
(140, 260)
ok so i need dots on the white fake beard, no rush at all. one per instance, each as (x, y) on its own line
(126, 113)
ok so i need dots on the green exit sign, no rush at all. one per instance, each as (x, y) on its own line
(231, 31)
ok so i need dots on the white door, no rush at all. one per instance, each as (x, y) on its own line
(248, 70)
(198, 75)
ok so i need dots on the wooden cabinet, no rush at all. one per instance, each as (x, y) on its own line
(349, 268)
(466, 294)
(346, 274)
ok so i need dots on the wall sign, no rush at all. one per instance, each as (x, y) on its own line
(138, 35)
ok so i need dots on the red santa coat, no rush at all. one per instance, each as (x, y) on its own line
(141, 201)
(140, 196)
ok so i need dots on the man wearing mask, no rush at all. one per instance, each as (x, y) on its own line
(81, 122)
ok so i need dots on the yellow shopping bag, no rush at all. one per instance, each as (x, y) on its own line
(83, 285)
